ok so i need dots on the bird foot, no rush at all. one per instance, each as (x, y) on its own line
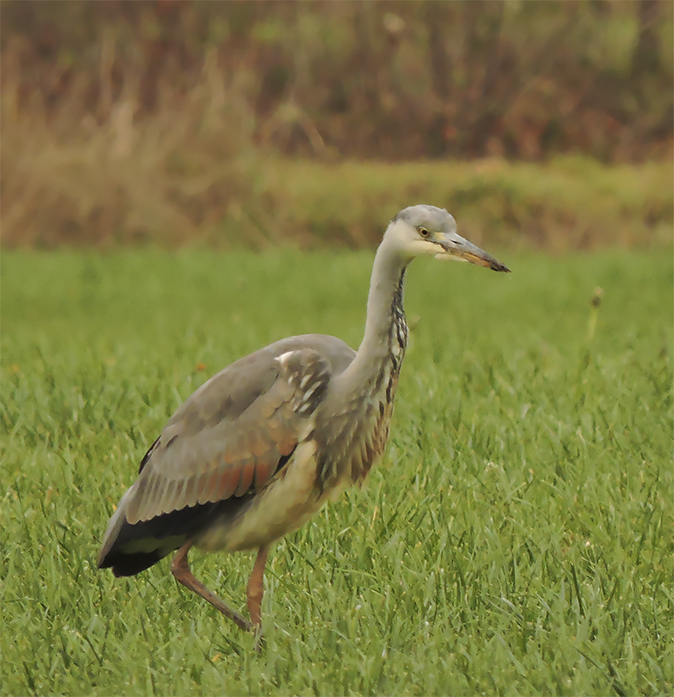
(259, 638)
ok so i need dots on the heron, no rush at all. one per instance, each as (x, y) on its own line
(258, 449)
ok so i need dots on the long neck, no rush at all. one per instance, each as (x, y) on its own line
(358, 417)
(385, 336)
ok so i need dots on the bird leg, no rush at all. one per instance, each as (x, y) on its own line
(181, 570)
(255, 591)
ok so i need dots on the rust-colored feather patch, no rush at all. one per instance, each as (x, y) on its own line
(287, 445)
(262, 472)
(228, 481)
(247, 474)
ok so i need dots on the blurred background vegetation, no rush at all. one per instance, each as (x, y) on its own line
(251, 123)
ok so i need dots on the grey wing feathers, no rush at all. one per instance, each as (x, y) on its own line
(218, 461)
(228, 438)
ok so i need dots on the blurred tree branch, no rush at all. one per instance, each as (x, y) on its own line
(394, 80)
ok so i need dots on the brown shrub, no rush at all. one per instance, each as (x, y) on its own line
(70, 177)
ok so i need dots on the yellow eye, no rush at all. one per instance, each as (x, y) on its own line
(423, 232)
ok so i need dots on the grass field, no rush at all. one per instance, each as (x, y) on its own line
(516, 539)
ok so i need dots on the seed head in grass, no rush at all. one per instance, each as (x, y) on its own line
(594, 311)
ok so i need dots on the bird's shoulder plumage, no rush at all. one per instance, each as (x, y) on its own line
(228, 439)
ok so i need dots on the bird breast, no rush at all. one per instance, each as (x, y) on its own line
(351, 439)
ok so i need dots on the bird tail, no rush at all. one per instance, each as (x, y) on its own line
(129, 549)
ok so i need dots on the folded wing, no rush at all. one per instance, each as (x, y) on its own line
(224, 444)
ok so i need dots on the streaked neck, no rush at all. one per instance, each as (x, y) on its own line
(385, 335)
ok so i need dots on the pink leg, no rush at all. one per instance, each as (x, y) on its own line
(181, 570)
(255, 592)
(256, 588)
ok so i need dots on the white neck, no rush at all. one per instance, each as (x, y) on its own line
(385, 297)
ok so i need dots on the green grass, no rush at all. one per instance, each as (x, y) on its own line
(516, 539)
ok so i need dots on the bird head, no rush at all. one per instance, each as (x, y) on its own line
(422, 229)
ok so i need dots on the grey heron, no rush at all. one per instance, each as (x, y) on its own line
(259, 448)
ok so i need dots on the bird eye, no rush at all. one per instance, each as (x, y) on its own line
(423, 232)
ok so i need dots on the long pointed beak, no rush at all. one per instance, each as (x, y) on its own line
(456, 247)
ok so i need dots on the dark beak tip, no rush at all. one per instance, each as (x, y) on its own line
(498, 266)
